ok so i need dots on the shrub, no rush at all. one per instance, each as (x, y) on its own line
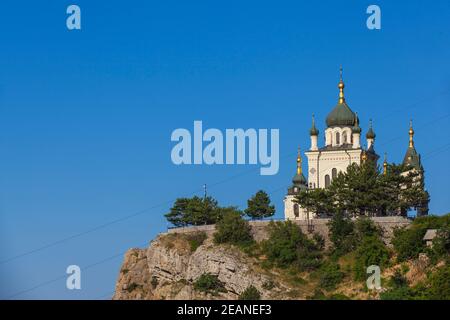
(342, 234)
(365, 227)
(372, 251)
(196, 239)
(133, 286)
(233, 229)
(440, 284)
(330, 275)
(209, 283)
(288, 246)
(408, 243)
(251, 293)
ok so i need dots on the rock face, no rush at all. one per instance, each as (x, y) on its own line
(168, 269)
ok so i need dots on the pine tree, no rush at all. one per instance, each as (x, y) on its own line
(259, 207)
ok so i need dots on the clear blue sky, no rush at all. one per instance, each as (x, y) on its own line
(86, 116)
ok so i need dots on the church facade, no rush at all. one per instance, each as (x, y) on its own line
(342, 148)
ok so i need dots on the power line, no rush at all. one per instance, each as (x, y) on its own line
(90, 266)
(138, 213)
(427, 155)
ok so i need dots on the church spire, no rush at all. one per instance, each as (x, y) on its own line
(411, 135)
(385, 164)
(341, 87)
(299, 162)
(313, 131)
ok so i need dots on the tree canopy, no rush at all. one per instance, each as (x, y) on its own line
(259, 207)
(365, 190)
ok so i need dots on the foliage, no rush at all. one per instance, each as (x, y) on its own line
(194, 211)
(436, 287)
(371, 251)
(440, 284)
(196, 239)
(363, 189)
(316, 200)
(341, 232)
(259, 207)
(287, 246)
(233, 229)
(250, 293)
(209, 283)
(408, 242)
(329, 275)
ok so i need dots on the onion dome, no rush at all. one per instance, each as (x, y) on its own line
(356, 128)
(341, 115)
(370, 134)
(299, 179)
(412, 158)
(313, 131)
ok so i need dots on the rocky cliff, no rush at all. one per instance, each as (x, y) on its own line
(170, 266)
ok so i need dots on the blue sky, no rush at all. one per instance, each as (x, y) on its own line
(86, 116)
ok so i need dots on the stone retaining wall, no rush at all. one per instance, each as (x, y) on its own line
(388, 224)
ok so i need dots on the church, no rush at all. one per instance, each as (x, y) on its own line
(342, 148)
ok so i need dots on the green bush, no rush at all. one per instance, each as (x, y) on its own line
(342, 234)
(287, 246)
(440, 284)
(408, 242)
(196, 239)
(372, 251)
(209, 283)
(330, 275)
(233, 229)
(251, 293)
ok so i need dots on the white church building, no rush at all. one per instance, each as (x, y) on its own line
(342, 148)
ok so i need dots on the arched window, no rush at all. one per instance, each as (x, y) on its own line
(334, 173)
(344, 137)
(327, 181)
(338, 138)
(296, 210)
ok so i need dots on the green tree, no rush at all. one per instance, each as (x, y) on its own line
(316, 200)
(178, 213)
(330, 275)
(288, 246)
(363, 190)
(233, 229)
(371, 251)
(194, 211)
(259, 207)
(209, 283)
(342, 234)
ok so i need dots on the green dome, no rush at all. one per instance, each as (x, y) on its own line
(370, 134)
(313, 131)
(356, 129)
(341, 115)
(412, 158)
(299, 180)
